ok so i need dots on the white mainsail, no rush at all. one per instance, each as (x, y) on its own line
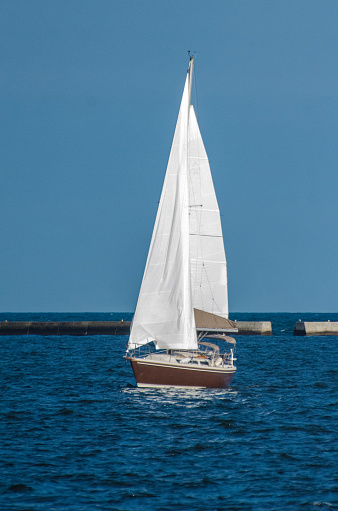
(164, 311)
(207, 255)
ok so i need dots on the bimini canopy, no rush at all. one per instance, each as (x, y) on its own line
(207, 322)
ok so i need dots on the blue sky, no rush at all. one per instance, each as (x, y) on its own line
(89, 95)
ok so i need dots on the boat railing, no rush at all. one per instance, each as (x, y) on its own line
(206, 350)
(214, 351)
(143, 351)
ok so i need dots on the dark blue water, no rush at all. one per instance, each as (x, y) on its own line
(76, 434)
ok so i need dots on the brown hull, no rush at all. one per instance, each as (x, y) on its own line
(150, 374)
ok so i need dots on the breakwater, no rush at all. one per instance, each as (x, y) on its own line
(65, 328)
(254, 327)
(83, 328)
(303, 328)
(104, 327)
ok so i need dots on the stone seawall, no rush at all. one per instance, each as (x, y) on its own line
(105, 328)
(65, 328)
(302, 328)
(316, 328)
(254, 327)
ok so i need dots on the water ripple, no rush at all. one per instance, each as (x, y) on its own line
(77, 434)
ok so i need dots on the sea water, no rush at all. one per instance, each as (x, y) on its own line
(77, 434)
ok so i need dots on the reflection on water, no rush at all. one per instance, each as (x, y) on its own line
(189, 398)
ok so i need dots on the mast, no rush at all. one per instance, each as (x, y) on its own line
(190, 73)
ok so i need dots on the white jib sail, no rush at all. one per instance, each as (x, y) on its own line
(207, 255)
(164, 311)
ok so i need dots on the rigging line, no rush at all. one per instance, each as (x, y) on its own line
(204, 209)
(212, 294)
(210, 289)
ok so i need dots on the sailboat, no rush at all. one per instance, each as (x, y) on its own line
(183, 299)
